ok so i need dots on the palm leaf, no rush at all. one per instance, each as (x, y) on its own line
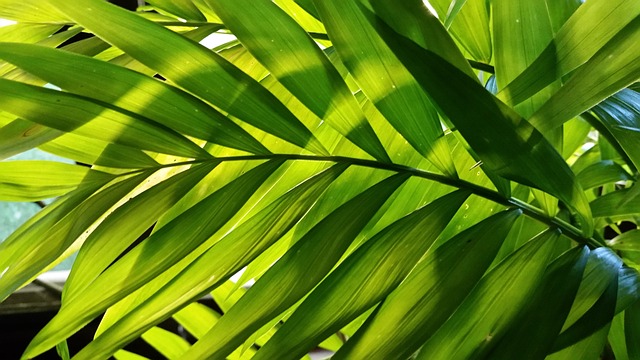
(349, 156)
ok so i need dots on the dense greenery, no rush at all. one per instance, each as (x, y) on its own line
(397, 183)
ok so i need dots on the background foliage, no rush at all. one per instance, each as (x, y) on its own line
(397, 183)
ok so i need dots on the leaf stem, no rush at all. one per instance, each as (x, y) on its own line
(567, 229)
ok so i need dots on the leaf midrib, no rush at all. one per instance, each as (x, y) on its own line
(531, 211)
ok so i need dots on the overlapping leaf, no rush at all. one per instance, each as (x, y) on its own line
(363, 279)
(150, 258)
(592, 26)
(67, 112)
(266, 299)
(191, 66)
(39, 180)
(130, 91)
(224, 259)
(291, 56)
(489, 126)
(486, 314)
(422, 303)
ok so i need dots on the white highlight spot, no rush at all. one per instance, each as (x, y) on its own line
(4, 22)
(431, 9)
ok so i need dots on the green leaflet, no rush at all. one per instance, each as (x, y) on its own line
(25, 33)
(292, 57)
(488, 311)
(165, 342)
(470, 26)
(67, 112)
(192, 67)
(117, 232)
(388, 85)
(362, 280)
(560, 11)
(414, 21)
(425, 300)
(418, 306)
(53, 41)
(43, 239)
(629, 240)
(30, 11)
(592, 26)
(618, 203)
(489, 126)
(601, 270)
(587, 349)
(127, 355)
(291, 278)
(521, 31)
(96, 152)
(21, 135)
(628, 288)
(150, 258)
(39, 180)
(131, 91)
(185, 9)
(620, 116)
(575, 135)
(538, 325)
(632, 330)
(197, 319)
(617, 66)
(617, 339)
(222, 260)
(598, 316)
(603, 172)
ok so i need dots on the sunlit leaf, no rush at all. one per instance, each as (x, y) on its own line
(485, 315)
(417, 308)
(224, 259)
(151, 257)
(300, 65)
(590, 27)
(68, 112)
(329, 238)
(39, 180)
(363, 279)
(130, 91)
(530, 155)
(191, 66)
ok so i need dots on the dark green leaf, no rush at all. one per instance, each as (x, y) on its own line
(585, 33)
(617, 66)
(632, 330)
(430, 294)
(362, 280)
(603, 172)
(489, 126)
(620, 116)
(600, 314)
(487, 313)
(617, 203)
(537, 327)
